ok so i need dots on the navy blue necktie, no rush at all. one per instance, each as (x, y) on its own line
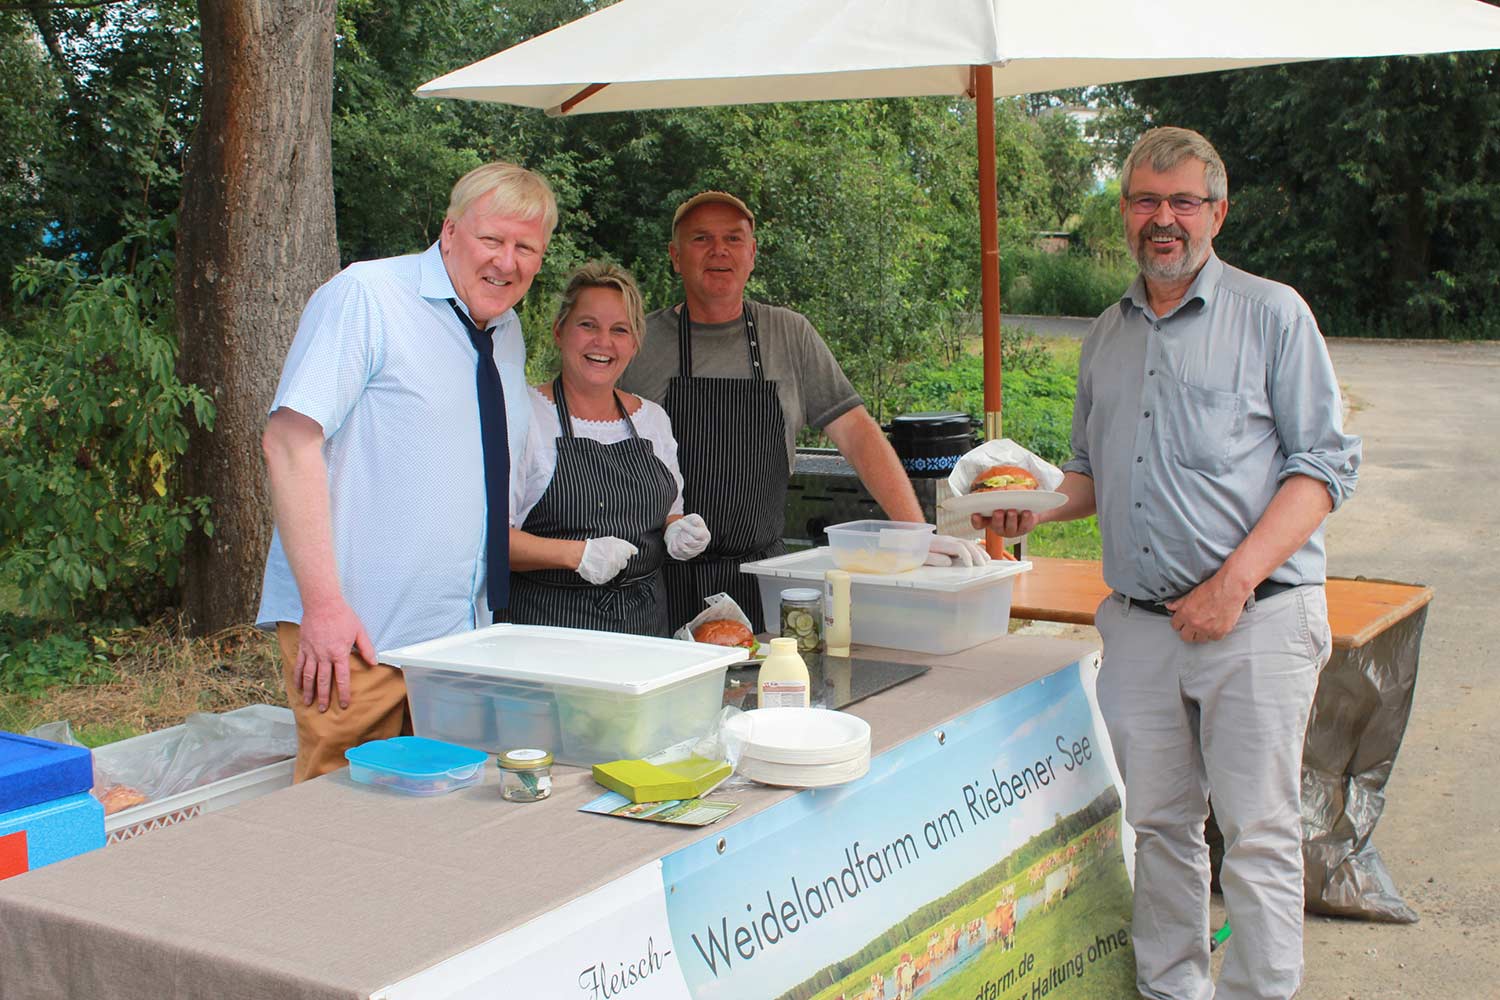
(496, 440)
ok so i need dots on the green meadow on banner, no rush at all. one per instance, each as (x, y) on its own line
(981, 860)
(1041, 932)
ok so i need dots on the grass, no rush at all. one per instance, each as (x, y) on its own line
(1098, 904)
(1066, 540)
(159, 675)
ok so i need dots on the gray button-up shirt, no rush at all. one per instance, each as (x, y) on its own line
(1189, 422)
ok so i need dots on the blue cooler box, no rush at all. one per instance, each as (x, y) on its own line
(33, 771)
(46, 813)
(51, 831)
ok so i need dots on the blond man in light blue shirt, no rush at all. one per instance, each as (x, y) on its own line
(378, 474)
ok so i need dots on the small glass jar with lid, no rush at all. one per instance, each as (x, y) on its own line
(525, 775)
(802, 618)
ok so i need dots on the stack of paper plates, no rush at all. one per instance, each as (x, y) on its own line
(800, 747)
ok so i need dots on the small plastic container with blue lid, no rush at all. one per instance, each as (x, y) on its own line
(415, 765)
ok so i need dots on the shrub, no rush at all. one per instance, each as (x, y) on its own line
(92, 421)
(35, 656)
(1037, 394)
(1063, 284)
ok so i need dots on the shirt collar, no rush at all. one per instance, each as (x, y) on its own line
(1204, 287)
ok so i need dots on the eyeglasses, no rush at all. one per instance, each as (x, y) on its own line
(1181, 204)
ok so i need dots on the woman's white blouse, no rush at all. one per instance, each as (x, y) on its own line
(540, 462)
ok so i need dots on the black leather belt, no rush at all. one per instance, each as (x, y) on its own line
(1268, 588)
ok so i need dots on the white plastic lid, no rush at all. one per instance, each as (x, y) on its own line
(801, 594)
(610, 661)
(813, 564)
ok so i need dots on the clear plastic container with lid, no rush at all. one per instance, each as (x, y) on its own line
(414, 765)
(525, 775)
(872, 546)
(802, 618)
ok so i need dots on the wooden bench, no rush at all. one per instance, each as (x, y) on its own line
(1068, 590)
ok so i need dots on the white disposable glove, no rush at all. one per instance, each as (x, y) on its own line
(603, 558)
(946, 550)
(687, 537)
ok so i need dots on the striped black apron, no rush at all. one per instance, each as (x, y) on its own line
(597, 489)
(731, 447)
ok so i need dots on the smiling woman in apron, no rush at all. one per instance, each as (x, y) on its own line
(598, 509)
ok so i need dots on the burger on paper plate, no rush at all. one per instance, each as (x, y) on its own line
(726, 632)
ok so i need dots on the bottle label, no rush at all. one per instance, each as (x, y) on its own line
(783, 694)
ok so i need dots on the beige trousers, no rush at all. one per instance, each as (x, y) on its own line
(1225, 718)
(377, 710)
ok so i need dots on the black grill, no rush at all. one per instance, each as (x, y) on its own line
(824, 490)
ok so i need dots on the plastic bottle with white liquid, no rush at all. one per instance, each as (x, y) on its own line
(783, 681)
(836, 628)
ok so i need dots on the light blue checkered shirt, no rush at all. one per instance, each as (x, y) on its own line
(1189, 422)
(381, 362)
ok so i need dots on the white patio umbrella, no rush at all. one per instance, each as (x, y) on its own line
(642, 54)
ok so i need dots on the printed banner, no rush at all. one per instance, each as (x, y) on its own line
(979, 861)
(612, 942)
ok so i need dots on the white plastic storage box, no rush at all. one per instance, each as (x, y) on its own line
(587, 697)
(930, 609)
(129, 823)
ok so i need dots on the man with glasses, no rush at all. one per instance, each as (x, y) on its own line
(1208, 437)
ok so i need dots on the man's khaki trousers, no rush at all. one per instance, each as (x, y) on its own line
(1227, 718)
(377, 710)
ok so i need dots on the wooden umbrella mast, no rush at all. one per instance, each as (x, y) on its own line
(983, 91)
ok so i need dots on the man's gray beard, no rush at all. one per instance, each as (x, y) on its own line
(1193, 257)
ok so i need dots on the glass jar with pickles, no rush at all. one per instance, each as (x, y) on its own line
(802, 618)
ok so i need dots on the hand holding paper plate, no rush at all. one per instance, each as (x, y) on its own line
(1002, 452)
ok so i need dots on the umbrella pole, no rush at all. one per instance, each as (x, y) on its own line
(989, 248)
(989, 266)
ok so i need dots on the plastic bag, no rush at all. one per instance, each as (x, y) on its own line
(1002, 451)
(202, 750)
(212, 747)
(715, 744)
(720, 607)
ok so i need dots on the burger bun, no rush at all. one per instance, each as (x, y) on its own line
(725, 632)
(1003, 477)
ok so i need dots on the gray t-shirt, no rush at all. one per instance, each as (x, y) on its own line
(812, 387)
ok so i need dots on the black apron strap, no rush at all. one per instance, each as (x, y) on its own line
(565, 419)
(685, 343)
(731, 447)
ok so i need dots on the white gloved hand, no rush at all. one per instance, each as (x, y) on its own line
(603, 558)
(946, 550)
(687, 537)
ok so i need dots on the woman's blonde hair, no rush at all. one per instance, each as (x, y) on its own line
(513, 191)
(604, 274)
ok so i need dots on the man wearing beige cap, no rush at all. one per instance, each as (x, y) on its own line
(739, 379)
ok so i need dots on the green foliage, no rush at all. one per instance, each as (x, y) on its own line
(1099, 228)
(1372, 186)
(1068, 162)
(1061, 284)
(1037, 393)
(99, 104)
(95, 420)
(35, 656)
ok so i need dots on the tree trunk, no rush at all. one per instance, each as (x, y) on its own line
(255, 238)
